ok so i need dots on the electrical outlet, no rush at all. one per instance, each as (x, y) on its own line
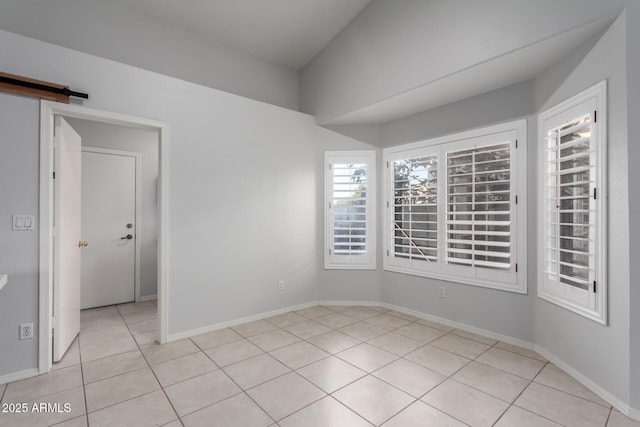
(442, 292)
(281, 285)
(26, 331)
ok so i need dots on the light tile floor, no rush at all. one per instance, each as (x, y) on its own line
(321, 366)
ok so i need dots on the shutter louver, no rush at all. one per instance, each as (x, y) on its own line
(415, 209)
(479, 209)
(349, 208)
(570, 212)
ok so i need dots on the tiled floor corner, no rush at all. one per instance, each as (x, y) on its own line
(320, 366)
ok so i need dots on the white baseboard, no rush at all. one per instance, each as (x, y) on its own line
(463, 326)
(148, 298)
(345, 303)
(617, 403)
(20, 375)
(221, 325)
(595, 388)
(633, 413)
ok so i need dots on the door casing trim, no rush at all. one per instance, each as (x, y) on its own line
(48, 110)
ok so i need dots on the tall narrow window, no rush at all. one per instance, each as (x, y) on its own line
(479, 207)
(350, 189)
(415, 208)
(572, 239)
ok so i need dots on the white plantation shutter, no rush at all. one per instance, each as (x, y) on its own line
(571, 163)
(350, 216)
(415, 208)
(349, 208)
(572, 210)
(479, 209)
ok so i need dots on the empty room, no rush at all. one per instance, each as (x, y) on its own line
(319, 213)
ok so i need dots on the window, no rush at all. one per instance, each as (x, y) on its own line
(456, 207)
(415, 209)
(479, 207)
(350, 190)
(572, 259)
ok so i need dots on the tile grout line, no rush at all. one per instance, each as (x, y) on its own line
(368, 374)
(330, 354)
(113, 376)
(84, 389)
(326, 394)
(242, 390)
(247, 338)
(606, 423)
(150, 368)
(441, 411)
(520, 394)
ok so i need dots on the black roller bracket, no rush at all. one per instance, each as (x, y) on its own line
(62, 91)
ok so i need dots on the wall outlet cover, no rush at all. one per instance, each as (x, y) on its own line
(26, 331)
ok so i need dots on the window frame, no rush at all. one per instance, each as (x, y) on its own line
(592, 302)
(517, 280)
(366, 261)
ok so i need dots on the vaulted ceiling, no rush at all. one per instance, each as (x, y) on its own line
(286, 32)
(343, 61)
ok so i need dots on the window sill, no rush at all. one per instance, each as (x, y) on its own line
(349, 267)
(597, 317)
(519, 288)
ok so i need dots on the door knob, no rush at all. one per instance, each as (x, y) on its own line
(83, 244)
(127, 237)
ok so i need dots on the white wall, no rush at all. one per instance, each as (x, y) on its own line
(394, 46)
(600, 353)
(243, 199)
(111, 31)
(633, 148)
(501, 312)
(145, 143)
(18, 249)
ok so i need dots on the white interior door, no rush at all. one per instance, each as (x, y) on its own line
(108, 226)
(67, 259)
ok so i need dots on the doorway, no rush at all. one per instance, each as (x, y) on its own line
(110, 221)
(48, 111)
(113, 152)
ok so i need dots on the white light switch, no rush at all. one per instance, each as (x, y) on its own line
(24, 222)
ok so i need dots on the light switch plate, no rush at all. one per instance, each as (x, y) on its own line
(23, 222)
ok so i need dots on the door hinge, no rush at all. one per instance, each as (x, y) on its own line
(330, 251)
(387, 252)
(594, 286)
(516, 200)
(54, 175)
(387, 203)
(516, 267)
(329, 166)
(329, 205)
(595, 116)
(595, 193)
(516, 143)
(387, 165)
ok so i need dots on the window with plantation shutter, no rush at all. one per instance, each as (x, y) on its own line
(415, 208)
(452, 208)
(572, 249)
(350, 189)
(479, 206)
